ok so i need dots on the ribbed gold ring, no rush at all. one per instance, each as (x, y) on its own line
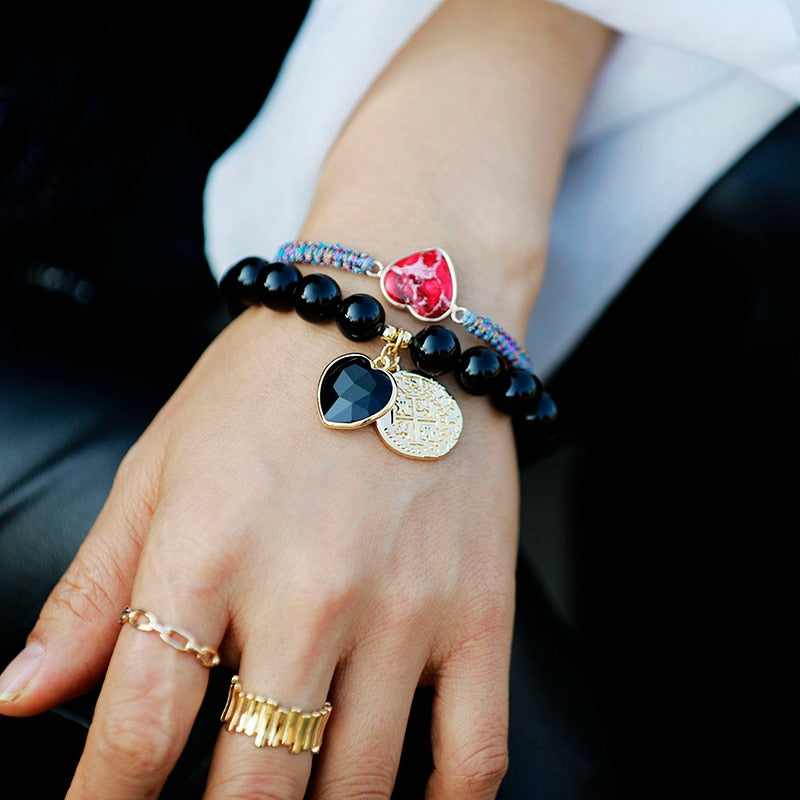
(272, 725)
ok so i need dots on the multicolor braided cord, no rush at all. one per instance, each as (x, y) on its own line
(328, 255)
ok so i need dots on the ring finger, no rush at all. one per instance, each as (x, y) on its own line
(275, 718)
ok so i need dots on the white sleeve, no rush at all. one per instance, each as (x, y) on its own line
(689, 86)
(259, 191)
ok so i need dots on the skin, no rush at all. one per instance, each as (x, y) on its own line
(323, 566)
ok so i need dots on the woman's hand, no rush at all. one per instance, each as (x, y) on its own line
(321, 565)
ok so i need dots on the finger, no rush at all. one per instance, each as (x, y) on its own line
(265, 759)
(71, 643)
(470, 716)
(365, 739)
(150, 696)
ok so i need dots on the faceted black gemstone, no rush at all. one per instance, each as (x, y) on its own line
(537, 434)
(352, 391)
(478, 370)
(517, 391)
(435, 350)
(276, 285)
(236, 286)
(317, 298)
(360, 317)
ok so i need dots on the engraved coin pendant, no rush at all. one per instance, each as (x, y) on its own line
(425, 420)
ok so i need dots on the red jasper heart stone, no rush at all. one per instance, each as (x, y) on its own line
(423, 282)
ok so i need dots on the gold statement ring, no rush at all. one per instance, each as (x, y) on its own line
(271, 725)
(174, 637)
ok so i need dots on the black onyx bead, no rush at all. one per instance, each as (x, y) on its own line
(360, 317)
(317, 298)
(537, 434)
(478, 370)
(236, 286)
(517, 392)
(276, 285)
(435, 350)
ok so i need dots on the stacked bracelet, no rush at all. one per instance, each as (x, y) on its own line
(424, 284)
(414, 414)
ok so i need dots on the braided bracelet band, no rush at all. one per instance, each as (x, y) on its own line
(423, 283)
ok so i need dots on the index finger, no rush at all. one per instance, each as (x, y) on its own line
(151, 695)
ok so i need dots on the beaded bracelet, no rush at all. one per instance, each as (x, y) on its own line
(414, 414)
(423, 283)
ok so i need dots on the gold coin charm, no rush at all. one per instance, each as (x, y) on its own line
(425, 420)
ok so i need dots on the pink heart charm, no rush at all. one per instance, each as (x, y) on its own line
(423, 282)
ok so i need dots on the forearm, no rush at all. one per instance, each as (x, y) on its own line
(480, 179)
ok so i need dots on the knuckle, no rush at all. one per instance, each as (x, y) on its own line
(83, 592)
(329, 593)
(489, 609)
(497, 610)
(483, 769)
(252, 784)
(208, 566)
(485, 621)
(137, 739)
(367, 781)
(131, 468)
(129, 464)
(415, 599)
(136, 484)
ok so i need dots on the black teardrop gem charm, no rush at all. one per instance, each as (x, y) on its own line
(353, 392)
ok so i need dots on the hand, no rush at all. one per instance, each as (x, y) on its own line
(320, 565)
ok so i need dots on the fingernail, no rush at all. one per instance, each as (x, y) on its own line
(19, 672)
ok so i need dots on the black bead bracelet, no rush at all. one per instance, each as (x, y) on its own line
(435, 350)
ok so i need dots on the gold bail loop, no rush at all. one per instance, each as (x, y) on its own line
(396, 339)
(399, 337)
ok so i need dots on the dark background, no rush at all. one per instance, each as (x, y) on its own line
(672, 493)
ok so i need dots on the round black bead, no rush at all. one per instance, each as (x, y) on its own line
(478, 370)
(435, 350)
(276, 285)
(537, 434)
(236, 286)
(517, 392)
(360, 317)
(317, 297)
